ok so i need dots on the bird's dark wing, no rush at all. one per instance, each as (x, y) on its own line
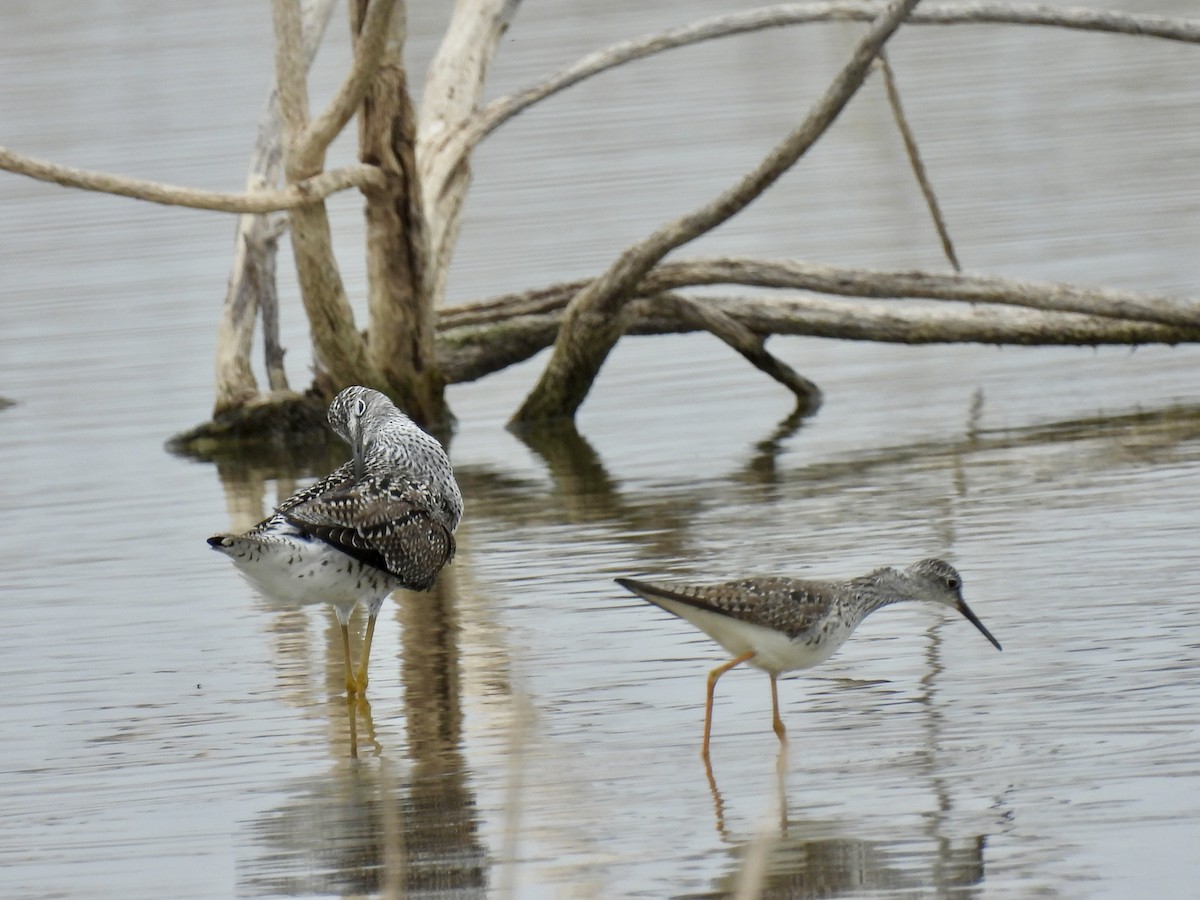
(386, 522)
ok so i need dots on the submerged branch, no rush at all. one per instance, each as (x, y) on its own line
(852, 282)
(471, 349)
(751, 344)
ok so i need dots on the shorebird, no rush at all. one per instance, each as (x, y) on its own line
(381, 521)
(784, 624)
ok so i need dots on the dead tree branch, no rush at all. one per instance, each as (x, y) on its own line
(459, 144)
(339, 350)
(307, 152)
(591, 324)
(400, 308)
(480, 338)
(471, 348)
(751, 344)
(852, 282)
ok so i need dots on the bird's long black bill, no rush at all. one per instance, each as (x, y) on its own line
(974, 620)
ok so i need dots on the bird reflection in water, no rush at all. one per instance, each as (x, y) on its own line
(805, 857)
(365, 827)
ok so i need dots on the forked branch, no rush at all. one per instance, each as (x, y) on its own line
(308, 149)
(591, 325)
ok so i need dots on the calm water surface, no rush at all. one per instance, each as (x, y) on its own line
(531, 731)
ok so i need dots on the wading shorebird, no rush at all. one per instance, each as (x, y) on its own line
(383, 520)
(784, 624)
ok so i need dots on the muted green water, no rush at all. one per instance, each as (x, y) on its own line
(532, 731)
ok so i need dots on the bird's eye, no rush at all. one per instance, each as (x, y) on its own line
(360, 407)
(952, 583)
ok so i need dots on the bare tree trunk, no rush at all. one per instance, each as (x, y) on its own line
(235, 381)
(453, 92)
(401, 342)
(268, 302)
(252, 276)
(592, 326)
(339, 351)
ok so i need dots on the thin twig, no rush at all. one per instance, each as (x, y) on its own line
(914, 160)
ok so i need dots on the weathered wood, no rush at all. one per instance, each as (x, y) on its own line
(339, 350)
(268, 301)
(260, 201)
(590, 330)
(252, 283)
(372, 27)
(746, 341)
(851, 282)
(471, 347)
(453, 92)
(463, 140)
(401, 342)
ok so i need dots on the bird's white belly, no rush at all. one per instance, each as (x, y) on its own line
(773, 650)
(300, 571)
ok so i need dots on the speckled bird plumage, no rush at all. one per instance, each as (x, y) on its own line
(383, 520)
(783, 624)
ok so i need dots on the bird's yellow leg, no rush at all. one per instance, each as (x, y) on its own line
(351, 687)
(712, 684)
(777, 723)
(352, 713)
(365, 656)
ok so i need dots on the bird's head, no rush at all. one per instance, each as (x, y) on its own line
(939, 582)
(356, 414)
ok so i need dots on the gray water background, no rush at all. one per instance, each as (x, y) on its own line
(531, 730)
